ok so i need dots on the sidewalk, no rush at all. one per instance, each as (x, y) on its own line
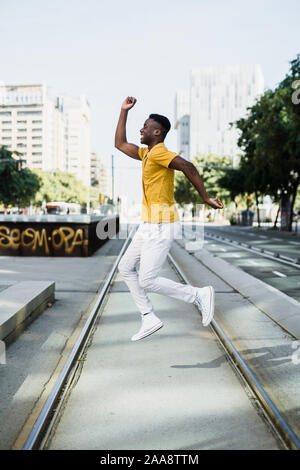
(172, 390)
(32, 358)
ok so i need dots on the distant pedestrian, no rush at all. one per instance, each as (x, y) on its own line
(149, 247)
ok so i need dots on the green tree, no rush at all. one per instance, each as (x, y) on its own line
(234, 181)
(270, 138)
(17, 186)
(211, 168)
(59, 186)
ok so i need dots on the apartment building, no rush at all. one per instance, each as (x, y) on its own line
(99, 175)
(50, 132)
(78, 137)
(182, 122)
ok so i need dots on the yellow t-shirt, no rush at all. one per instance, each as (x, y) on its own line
(158, 184)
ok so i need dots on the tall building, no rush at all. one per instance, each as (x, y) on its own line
(182, 122)
(31, 123)
(50, 132)
(78, 137)
(220, 95)
(99, 176)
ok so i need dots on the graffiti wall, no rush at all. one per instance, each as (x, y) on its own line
(57, 237)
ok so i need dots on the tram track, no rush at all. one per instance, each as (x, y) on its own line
(45, 421)
(275, 256)
(41, 425)
(274, 417)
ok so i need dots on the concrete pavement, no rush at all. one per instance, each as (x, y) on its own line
(251, 314)
(41, 348)
(172, 390)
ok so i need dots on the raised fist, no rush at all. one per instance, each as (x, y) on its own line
(128, 103)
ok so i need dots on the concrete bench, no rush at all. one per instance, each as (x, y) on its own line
(20, 304)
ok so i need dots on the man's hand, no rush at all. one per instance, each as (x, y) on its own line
(215, 203)
(128, 103)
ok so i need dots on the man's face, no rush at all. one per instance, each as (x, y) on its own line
(150, 130)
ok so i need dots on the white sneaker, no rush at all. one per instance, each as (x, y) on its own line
(205, 301)
(150, 324)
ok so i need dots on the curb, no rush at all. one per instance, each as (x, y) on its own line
(20, 304)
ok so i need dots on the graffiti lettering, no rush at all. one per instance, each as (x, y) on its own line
(4, 236)
(66, 234)
(65, 237)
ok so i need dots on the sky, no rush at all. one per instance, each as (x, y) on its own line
(111, 49)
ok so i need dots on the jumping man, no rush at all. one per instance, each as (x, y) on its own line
(141, 263)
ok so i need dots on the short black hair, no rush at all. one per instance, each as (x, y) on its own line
(162, 120)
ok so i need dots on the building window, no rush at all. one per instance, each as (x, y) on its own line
(5, 113)
(37, 153)
(37, 145)
(37, 138)
(37, 122)
(25, 113)
(21, 122)
(6, 122)
(37, 130)
(6, 130)
(21, 145)
(22, 138)
(22, 130)
(6, 138)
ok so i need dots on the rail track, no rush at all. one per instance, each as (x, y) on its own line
(258, 251)
(46, 418)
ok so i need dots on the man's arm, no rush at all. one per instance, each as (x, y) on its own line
(192, 174)
(120, 138)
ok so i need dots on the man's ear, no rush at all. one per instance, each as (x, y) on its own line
(157, 132)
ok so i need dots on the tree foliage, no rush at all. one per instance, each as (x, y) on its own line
(17, 186)
(270, 140)
(210, 167)
(59, 186)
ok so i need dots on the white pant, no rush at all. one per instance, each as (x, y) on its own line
(142, 261)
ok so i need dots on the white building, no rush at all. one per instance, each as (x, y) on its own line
(78, 137)
(220, 95)
(182, 122)
(50, 132)
(30, 123)
(99, 175)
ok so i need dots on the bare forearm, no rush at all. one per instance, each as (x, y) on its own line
(191, 172)
(121, 143)
(120, 136)
(193, 176)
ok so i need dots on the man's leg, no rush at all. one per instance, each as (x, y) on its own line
(153, 255)
(128, 268)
